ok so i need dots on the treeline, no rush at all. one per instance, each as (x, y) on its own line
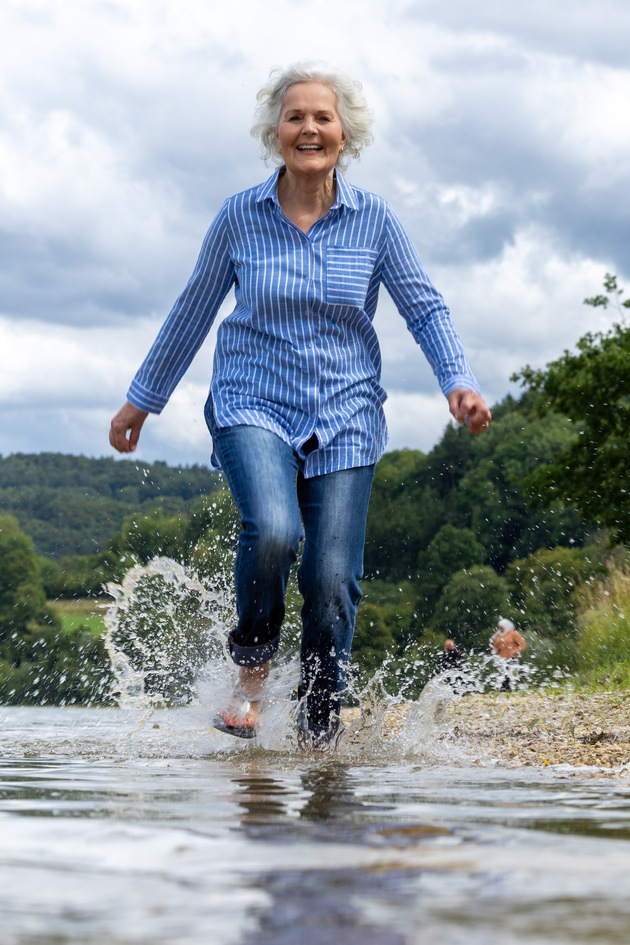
(39, 661)
(71, 505)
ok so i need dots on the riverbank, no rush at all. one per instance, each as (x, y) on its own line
(532, 728)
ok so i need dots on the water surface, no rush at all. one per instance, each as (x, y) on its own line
(131, 827)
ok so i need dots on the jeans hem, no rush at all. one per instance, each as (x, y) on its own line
(253, 655)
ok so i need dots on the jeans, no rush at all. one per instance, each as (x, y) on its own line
(278, 508)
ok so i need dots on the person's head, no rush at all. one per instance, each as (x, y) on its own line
(450, 644)
(348, 101)
(505, 625)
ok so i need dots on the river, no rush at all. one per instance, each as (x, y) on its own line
(120, 827)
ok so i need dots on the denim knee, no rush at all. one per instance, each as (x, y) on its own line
(275, 539)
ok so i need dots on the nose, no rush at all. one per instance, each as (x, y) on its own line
(309, 124)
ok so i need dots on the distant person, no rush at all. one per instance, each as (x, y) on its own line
(507, 645)
(451, 660)
(295, 408)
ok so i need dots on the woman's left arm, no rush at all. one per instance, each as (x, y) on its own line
(429, 321)
(425, 311)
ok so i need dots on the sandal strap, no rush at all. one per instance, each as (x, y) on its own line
(240, 692)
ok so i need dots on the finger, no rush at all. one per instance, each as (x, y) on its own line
(118, 438)
(459, 413)
(479, 419)
(466, 410)
(455, 403)
(132, 440)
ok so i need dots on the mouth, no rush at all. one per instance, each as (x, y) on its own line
(309, 147)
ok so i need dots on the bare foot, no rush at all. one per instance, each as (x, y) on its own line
(243, 709)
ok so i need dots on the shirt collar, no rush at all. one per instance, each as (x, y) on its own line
(344, 196)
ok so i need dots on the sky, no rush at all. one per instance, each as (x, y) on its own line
(501, 139)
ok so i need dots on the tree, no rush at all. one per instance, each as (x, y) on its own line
(39, 662)
(57, 667)
(491, 498)
(543, 585)
(72, 505)
(451, 550)
(214, 518)
(372, 639)
(403, 515)
(470, 605)
(592, 388)
(164, 632)
(152, 536)
(22, 600)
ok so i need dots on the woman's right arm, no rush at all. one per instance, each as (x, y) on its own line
(179, 338)
(188, 323)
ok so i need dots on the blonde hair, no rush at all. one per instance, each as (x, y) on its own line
(356, 118)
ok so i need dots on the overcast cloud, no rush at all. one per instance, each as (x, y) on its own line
(502, 139)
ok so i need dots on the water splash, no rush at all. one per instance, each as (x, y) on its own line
(167, 633)
(163, 626)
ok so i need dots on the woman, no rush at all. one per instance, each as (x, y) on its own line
(295, 404)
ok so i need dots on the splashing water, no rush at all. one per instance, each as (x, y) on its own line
(164, 625)
(167, 636)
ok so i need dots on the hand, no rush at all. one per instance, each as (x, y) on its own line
(124, 432)
(469, 408)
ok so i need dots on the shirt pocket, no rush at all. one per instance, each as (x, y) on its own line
(348, 274)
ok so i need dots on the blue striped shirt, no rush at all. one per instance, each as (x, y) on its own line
(299, 355)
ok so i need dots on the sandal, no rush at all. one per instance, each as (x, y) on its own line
(245, 729)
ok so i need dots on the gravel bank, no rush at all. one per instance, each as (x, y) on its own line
(527, 728)
(531, 728)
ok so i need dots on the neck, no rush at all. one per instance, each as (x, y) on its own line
(310, 193)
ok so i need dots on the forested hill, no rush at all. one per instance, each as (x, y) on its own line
(72, 504)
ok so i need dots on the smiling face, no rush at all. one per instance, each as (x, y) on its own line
(309, 133)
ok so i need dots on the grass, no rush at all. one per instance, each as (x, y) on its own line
(80, 612)
(604, 633)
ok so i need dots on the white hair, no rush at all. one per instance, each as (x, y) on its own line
(356, 118)
(506, 624)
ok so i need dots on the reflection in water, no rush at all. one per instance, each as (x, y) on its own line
(330, 793)
(262, 799)
(311, 793)
(312, 907)
(314, 902)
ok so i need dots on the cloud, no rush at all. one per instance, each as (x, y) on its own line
(587, 31)
(500, 140)
(415, 420)
(517, 140)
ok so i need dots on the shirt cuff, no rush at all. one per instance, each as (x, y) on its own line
(462, 382)
(145, 399)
